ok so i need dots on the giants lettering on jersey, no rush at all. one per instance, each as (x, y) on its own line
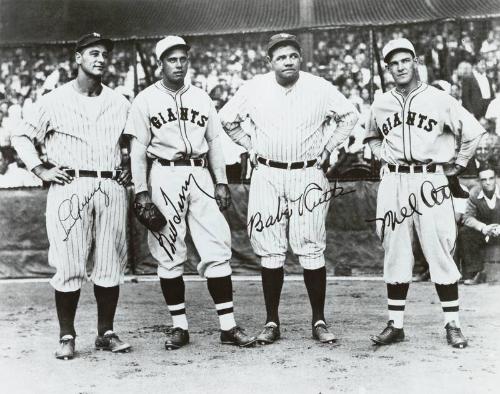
(186, 114)
(412, 119)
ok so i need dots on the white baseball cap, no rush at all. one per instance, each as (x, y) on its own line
(397, 45)
(169, 42)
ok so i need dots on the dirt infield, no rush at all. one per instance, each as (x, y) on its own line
(424, 363)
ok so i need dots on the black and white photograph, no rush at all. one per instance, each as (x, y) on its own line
(249, 196)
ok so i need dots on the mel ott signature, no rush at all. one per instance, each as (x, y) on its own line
(167, 241)
(70, 210)
(312, 197)
(430, 195)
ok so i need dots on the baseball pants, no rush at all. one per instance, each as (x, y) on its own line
(411, 208)
(87, 221)
(185, 195)
(282, 206)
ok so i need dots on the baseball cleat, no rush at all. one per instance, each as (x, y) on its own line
(236, 336)
(269, 334)
(176, 338)
(321, 333)
(66, 349)
(110, 342)
(389, 335)
(454, 335)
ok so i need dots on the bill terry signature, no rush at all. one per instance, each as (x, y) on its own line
(70, 209)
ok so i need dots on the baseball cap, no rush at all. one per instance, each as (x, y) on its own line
(93, 38)
(280, 39)
(168, 43)
(398, 44)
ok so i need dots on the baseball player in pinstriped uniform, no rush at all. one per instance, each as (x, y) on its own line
(81, 124)
(291, 116)
(422, 135)
(177, 126)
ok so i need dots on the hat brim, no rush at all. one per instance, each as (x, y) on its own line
(283, 43)
(108, 44)
(388, 56)
(184, 46)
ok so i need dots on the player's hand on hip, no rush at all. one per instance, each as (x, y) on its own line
(253, 158)
(454, 170)
(54, 174)
(222, 196)
(124, 177)
(323, 161)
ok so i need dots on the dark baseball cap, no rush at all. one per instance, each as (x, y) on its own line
(91, 39)
(282, 39)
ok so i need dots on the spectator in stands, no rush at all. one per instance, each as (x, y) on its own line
(483, 215)
(477, 90)
(481, 158)
(436, 60)
(493, 114)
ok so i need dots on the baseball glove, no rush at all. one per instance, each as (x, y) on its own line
(149, 215)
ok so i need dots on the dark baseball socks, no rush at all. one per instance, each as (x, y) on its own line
(272, 283)
(396, 301)
(221, 290)
(66, 303)
(107, 300)
(315, 281)
(448, 295)
(173, 292)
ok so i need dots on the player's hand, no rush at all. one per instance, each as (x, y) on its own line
(143, 197)
(253, 158)
(222, 196)
(454, 170)
(54, 174)
(323, 161)
(124, 177)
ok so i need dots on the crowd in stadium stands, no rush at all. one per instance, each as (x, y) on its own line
(450, 57)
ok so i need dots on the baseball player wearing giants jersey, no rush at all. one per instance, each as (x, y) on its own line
(292, 116)
(177, 127)
(81, 124)
(423, 137)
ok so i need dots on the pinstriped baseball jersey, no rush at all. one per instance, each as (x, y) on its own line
(87, 218)
(424, 127)
(78, 131)
(171, 124)
(290, 124)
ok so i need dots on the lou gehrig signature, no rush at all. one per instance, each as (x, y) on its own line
(306, 202)
(167, 241)
(70, 210)
(430, 195)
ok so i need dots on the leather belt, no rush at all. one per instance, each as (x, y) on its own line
(183, 162)
(418, 169)
(291, 165)
(93, 174)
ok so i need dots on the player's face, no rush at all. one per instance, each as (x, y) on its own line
(402, 67)
(488, 180)
(174, 66)
(93, 60)
(285, 62)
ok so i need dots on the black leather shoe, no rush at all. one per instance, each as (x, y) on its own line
(454, 335)
(389, 335)
(269, 334)
(321, 333)
(110, 341)
(479, 278)
(176, 338)
(66, 349)
(236, 336)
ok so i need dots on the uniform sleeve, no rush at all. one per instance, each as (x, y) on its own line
(138, 122)
(343, 113)
(31, 129)
(463, 124)
(214, 126)
(233, 114)
(493, 111)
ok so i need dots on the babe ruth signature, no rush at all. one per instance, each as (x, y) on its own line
(176, 219)
(430, 195)
(70, 210)
(307, 202)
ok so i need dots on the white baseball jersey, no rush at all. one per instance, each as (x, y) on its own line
(89, 215)
(288, 125)
(177, 125)
(426, 126)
